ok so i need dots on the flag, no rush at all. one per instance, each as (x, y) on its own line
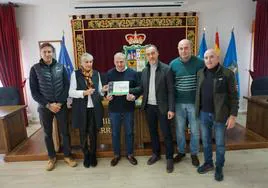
(203, 47)
(64, 58)
(217, 44)
(230, 60)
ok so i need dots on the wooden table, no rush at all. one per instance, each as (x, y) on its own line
(12, 127)
(104, 137)
(257, 114)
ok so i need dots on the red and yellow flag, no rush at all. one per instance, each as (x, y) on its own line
(217, 44)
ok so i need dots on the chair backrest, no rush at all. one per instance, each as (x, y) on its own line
(9, 96)
(259, 86)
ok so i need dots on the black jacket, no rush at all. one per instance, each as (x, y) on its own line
(225, 97)
(164, 87)
(49, 83)
(79, 105)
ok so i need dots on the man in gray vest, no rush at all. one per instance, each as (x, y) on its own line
(49, 86)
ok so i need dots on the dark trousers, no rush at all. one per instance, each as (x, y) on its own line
(88, 133)
(46, 120)
(153, 115)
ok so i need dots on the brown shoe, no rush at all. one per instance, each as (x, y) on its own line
(179, 157)
(71, 162)
(51, 164)
(115, 160)
(132, 160)
(195, 160)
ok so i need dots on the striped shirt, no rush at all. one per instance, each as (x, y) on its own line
(185, 79)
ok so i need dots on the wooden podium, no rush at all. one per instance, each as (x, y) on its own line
(12, 127)
(257, 114)
(104, 137)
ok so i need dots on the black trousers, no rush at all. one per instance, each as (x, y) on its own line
(46, 120)
(88, 134)
(153, 115)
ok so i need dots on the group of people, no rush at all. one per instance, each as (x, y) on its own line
(202, 92)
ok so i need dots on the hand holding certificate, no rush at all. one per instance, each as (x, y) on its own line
(118, 88)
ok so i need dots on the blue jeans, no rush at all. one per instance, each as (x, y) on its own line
(207, 125)
(116, 121)
(182, 112)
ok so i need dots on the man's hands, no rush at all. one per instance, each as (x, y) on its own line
(105, 88)
(54, 107)
(131, 97)
(170, 114)
(231, 122)
(109, 97)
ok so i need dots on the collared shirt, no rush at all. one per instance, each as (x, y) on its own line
(151, 94)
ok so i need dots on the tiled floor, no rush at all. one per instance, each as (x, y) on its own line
(242, 119)
(244, 168)
(32, 128)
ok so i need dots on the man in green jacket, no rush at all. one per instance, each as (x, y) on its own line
(217, 107)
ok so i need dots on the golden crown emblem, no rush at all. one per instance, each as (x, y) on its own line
(135, 38)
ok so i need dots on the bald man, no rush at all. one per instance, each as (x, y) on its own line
(158, 102)
(217, 107)
(185, 68)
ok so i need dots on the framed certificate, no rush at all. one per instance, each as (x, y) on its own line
(118, 88)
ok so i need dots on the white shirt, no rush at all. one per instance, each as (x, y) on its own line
(74, 93)
(151, 94)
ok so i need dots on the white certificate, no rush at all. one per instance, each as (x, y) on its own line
(118, 88)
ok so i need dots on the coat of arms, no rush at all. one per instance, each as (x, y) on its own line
(135, 52)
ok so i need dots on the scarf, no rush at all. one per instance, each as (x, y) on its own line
(88, 77)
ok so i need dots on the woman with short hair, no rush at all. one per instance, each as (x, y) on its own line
(87, 109)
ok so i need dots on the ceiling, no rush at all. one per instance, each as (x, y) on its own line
(41, 2)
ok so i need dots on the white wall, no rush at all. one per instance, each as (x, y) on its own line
(47, 21)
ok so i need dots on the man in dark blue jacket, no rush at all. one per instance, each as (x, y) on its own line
(121, 108)
(49, 86)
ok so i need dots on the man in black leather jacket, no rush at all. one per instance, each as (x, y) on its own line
(49, 86)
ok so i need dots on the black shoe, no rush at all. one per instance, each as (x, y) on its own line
(93, 160)
(153, 159)
(132, 160)
(170, 165)
(218, 174)
(205, 168)
(195, 160)
(114, 161)
(86, 160)
(179, 157)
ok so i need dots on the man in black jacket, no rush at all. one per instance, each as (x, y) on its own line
(49, 86)
(217, 107)
(158, 101)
